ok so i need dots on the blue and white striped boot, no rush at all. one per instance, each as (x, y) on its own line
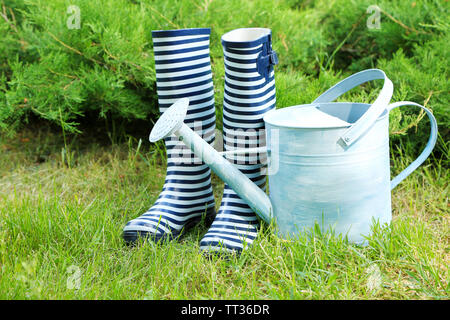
(249, 93)
(183, 70)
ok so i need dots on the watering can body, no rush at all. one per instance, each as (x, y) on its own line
(316, 180)
(337, 176)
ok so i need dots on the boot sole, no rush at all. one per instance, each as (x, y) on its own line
(133, 237)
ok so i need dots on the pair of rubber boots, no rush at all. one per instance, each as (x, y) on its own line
(183, 69)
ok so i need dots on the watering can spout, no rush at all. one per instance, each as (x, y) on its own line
(171, 122)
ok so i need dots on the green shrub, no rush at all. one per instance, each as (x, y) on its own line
(105, 69)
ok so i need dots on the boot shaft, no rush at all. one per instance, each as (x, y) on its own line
(183, 69)
(249, 90)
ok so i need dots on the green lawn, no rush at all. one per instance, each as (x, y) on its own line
(67, 191)
(61, 222)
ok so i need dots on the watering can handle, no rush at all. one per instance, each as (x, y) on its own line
(375, 110)
(428, 148)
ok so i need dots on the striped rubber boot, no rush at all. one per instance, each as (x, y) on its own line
(249, 93)
(183, 70)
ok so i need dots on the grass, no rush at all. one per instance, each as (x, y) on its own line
(64, 198)
(61, 219)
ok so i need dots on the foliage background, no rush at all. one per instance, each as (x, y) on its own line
(105, 69)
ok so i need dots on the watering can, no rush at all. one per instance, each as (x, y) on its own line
(328, 161)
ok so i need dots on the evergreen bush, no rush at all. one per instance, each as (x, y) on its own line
(105, 68)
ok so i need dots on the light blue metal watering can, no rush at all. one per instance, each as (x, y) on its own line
(335, 173)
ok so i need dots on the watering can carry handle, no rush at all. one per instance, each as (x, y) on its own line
(428, 148)
(375, 110)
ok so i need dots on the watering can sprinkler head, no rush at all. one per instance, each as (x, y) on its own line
(171, 122)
